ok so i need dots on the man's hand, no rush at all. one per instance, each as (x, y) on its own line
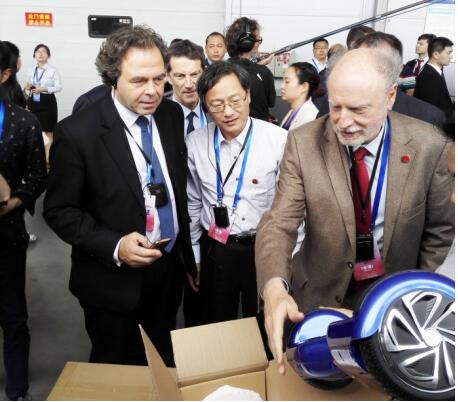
(278, 306)
(13, 203)
(194, 283)
(133, 252)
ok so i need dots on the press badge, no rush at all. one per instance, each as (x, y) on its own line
(150, 207)
(36, 97)
(372, 268)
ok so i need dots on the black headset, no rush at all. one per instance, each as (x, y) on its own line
(246, 39)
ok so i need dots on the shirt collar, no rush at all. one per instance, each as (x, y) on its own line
(372, 146)
(240, 138)
(438, 69)
(186, 110)
(128, 116)
(44, 67)
(318, 62)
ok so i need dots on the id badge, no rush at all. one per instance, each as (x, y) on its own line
(150, 206)
(369, 269)
(159, 191)
(36, 97)
(219, 234)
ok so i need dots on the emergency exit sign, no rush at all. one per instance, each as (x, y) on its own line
(38, 19)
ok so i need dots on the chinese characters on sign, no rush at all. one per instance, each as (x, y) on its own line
(38, 19)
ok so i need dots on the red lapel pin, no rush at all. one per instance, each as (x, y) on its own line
(254, 181)
(405, 158)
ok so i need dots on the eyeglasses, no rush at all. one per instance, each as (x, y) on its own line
(259, 40)
(321, 48)
(235, 102)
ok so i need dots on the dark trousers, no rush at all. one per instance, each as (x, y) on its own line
(13, 320)
(115, 336)
(228, 276)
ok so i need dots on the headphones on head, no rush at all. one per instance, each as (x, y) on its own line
(246, 39)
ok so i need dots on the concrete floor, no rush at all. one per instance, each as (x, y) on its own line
(55, 317)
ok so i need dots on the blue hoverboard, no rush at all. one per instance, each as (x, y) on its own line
(401, 339)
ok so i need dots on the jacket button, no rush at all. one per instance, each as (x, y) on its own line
(350, 265)
(338, 299)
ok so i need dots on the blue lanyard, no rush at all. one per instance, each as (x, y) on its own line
(219, 179)
(35, 76)
(381, 177)
(2, 118)
(288, 122)
(203, 120)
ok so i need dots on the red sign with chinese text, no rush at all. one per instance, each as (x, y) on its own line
(38, 19)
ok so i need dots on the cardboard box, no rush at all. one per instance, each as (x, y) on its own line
(206, 357)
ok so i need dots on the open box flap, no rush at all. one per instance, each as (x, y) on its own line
(165, 387)
(218, 350)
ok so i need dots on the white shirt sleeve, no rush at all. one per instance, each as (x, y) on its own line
(116, 259)
(194, 204)
(57, 87)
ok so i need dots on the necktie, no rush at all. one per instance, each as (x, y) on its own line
(360, 174)
(166, 212)
(418, 67)
(190, 119)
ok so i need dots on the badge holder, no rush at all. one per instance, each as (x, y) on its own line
(150, 206)
(220, 229)
(369, 262)
(159, 191)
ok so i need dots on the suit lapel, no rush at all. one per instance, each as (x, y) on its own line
(336, 159)
(114, 138)
(397, 175)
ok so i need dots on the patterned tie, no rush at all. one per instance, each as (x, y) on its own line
(166, 212)
(360, 173)
(190, 119)
(418, 67)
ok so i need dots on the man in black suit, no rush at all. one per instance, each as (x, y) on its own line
(118, 184)
(403, 104)
(431, 86)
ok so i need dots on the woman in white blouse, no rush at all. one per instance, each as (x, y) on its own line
(299, 82)
(43, 80)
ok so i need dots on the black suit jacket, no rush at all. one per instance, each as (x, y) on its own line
(90, 97)
(431, 88)
(94, 197)
(22, 164)
(403, 104)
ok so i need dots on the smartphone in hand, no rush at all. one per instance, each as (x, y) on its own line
(160, 244)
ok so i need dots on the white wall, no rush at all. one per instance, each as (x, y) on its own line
(283, 22)
(73, 51)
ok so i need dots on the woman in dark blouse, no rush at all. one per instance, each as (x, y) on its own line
(23, 170)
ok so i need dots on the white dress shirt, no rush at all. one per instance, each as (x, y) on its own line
(199, 120)
(369, 161)
(261, 174)
(318, 65)
(438, 69)
(46, 76)
(129, 118)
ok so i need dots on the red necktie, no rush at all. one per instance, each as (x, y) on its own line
(418, 67)
(360, 173)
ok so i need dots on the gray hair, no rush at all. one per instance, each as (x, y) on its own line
(389, 48)
(113, 49)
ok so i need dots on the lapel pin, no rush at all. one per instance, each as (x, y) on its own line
(405, 158)
(255, 181)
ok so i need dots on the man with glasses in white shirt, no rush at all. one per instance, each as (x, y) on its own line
(320, 54)
(234, 165)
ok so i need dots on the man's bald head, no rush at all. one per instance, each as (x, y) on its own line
(362, 88)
